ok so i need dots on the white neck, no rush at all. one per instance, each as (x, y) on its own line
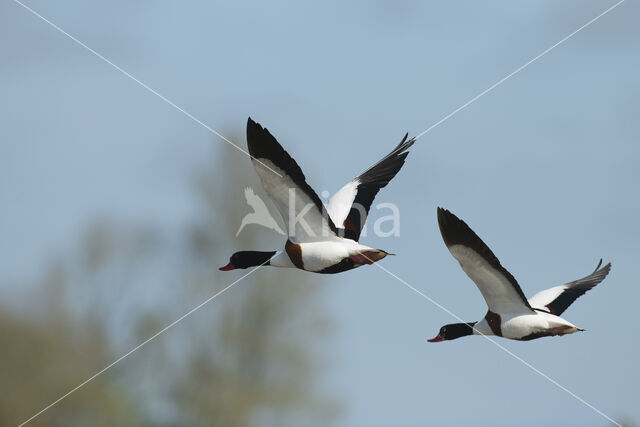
(281, 259)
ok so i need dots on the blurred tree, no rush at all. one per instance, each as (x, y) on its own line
(255, 363)
(249, 358)
(45, 351)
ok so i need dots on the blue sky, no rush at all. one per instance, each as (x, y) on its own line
(544, 168)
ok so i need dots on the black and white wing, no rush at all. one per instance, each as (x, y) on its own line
(498, 287)
(350, 206)
(557, 299)
(284, 181)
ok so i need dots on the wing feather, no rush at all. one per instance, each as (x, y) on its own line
(557, 299)
(498, 287)
(350, 205)
(281, 177)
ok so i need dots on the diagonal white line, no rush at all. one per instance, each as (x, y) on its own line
(142, 344)
(516, 71)
(500, 346)
(378, 265)
(165, 99)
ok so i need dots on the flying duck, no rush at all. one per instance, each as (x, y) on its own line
(510, 314)
(320, 239)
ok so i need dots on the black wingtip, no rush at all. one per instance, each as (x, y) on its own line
(598, 266)
(452, 228)
(253, 126)
(606, 268)
(456, 232)
(260, 141)
(386, 169)
(405, 144)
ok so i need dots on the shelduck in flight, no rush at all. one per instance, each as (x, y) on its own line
(321, 240)
(510, 314)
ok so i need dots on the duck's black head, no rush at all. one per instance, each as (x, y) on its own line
(246, 259)
(453, 331)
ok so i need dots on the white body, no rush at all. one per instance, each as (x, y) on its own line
(518, 325)
(317, 256)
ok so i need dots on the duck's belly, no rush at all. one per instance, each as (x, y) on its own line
(535, 325)
(317, 256)
(331, 256)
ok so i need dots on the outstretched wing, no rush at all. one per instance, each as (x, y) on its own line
(498, 287)
(300, 207)
(350, 206)
(557, 299)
